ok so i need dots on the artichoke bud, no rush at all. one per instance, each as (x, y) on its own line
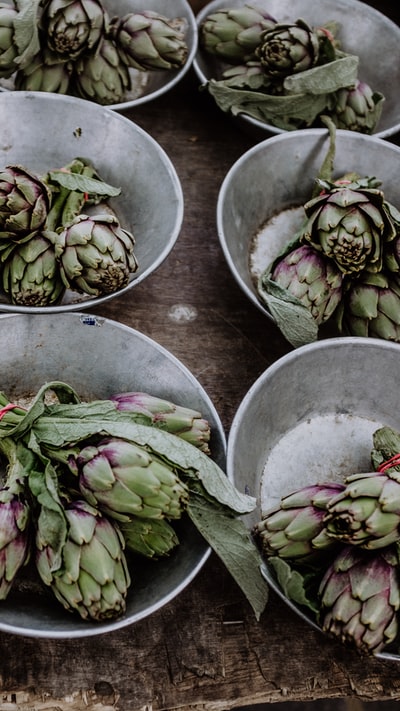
(101, 76)
(24, 203)
(315, 281)
(46, 72)
(295, 529)
(149, 41)
(357, 108)
(233, 34)
(360, 598)
(288, 49)
(92, 577)
(8, 48)
(73, 26)
(371, 307)
(124, 479)
(96, 254)
(152, 538)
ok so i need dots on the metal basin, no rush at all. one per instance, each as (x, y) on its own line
(99, 357)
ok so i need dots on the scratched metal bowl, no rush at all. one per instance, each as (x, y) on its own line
(310, 418)
(150, 85)
(376, 42)
(44, 131)
(100, 357)
(259, 206)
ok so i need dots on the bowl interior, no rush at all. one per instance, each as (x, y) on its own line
(45, 131)
(260, 201)
(379, 69)
(99, 357)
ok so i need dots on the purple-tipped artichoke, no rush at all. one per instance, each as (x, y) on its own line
(371, 307)
(71, 27)
(350, 222)
(92, 577)
(367, 512)
(295, 528)
(31, 275)
(96, 255)
(357, 108)
(24, 203)
(288, 48)
(8, 47)
(233, 34)
(123, 478)
(150, 41)
(46, 72)
(360, 599)
(311, 278)
(152, 538)
(101, 76)
(176, 419)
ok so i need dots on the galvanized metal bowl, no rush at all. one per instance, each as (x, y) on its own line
(259, 207)
(148, 86)
(45, 131)
(310, 418)
(99, 357)
(376, 42)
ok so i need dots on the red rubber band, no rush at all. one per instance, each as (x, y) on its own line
(6, 408)
(392, 462)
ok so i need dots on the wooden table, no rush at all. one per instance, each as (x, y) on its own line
(204, 650)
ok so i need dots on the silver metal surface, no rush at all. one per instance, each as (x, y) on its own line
(380, 69)
(310, 418)
(99, 357)
(147, 86)
(278, 174)
(44, 131)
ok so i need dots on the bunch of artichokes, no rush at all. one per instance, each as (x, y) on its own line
(74, 47)
(343, 540)
(286, 73)
(49, 241)
(92, 488)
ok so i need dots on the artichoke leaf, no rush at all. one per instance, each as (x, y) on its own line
(229, 538)
(293, 318)
(386, 444)
(324, 79)
(83, 183)
(26, 33)
(292, 583)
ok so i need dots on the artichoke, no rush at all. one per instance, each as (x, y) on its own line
(295, 528)
(371, 307)
(31, 275)
(149, 41)
(176, 419)
(288, 48)
(367, 512)
(92, 577)
(311, 278)
(101, 76)
(46, 72)
(123, 478)
(359, 598)
(357, 108)
(71, 27)
(152, 538)
(350, 223)
(233, 34)
(96, 254)
(24, 203)
(8, 48)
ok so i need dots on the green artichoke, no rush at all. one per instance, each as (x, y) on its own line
(46, 72)
(176, 419)
(295, 528)
(359, 598)
(311, 278)
(149, 41)
(93, 576)
(24, 203)
(371, 307)
(71, 27)
(31, 275)
(151, 538)
(233, 34)
(101, 76)
(357, 108)
(367, 512)
(123, 478)
(350, 222)
(8, 48)
(288, 48)
(96, 254)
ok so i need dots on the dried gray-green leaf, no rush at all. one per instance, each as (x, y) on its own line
(292, 318)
